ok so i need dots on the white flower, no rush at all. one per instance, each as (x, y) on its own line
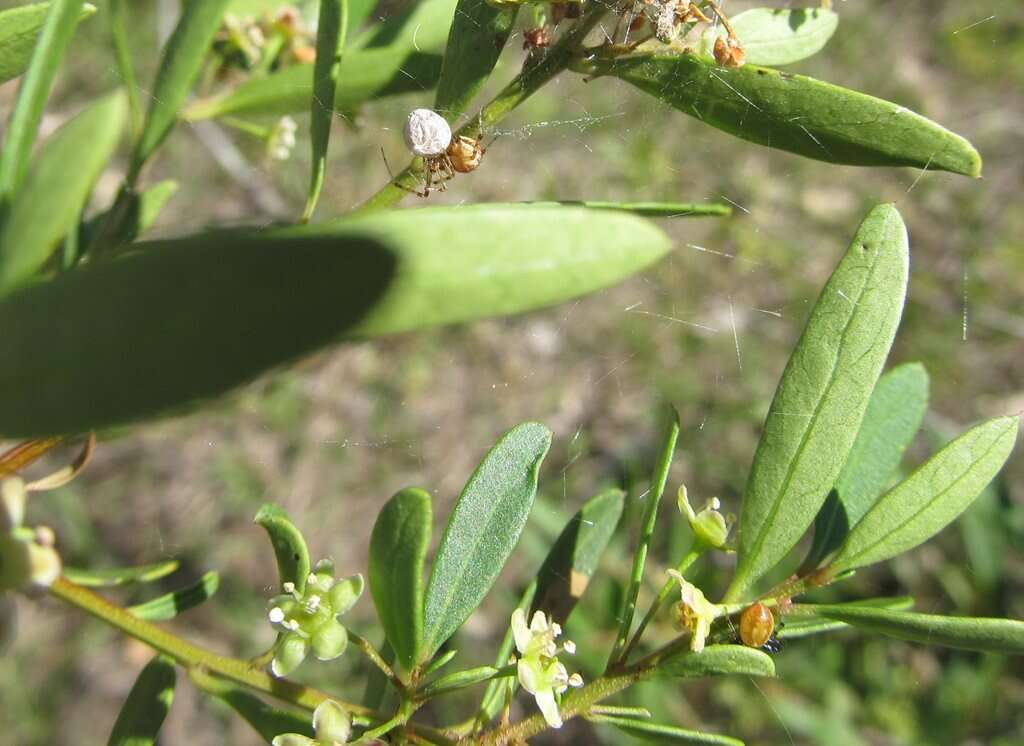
(282, 139)
(697, 613)
(709, 525)
(538, 668)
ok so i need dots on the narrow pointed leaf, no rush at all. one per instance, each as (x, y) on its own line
(654, 209)
(174, 323)
(423, 26)
(148, 703)
(662, 733)
(802, 619)
(717, 660)
(573, 558)
(892, 419)
(331, 29)
(794, 113)
(47, 53)
(180, 65)
(773, 36)
(290, 549)
(478, 35)
(484, 527)
(534, 256)
(460, 680)
(966, 633)
(19, 30)
(169, 605)
(398, 550)
(369, 74)
(120, 575)
(820, 402)
(929, 499)
(54, 193)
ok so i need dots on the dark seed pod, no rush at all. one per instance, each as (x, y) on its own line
(756, 625)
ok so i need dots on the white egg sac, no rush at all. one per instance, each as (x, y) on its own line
(427, 133)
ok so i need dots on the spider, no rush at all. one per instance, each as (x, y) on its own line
(429, 136)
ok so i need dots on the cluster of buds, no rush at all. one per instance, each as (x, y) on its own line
(332, 726)
(28, 560)
(538, 668)
(281, 139)
(272, 41)
(308, 619)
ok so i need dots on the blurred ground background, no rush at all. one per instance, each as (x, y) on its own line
(332, 439)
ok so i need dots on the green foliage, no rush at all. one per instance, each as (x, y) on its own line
(293, 564)
(398, 550)
(775, 37)
(894, 414)
(169, 605)
(795, 113)
(50, 201)
(147, 705)
(824, 392)
(661, 733)
(929, 499)
(717, 660)
(1004, 636)
(19, 30)
(482, 531)
(120, 575)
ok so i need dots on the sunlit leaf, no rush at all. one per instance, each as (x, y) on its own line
(290, 549)
(651, 732)
(802, 621)
(482, 530)
(19, 29)
(794, 113)
(459, 680)
(50, 200)
(148, 703)
(717, 660)
(169, 605)
(929, 499)
(820, 402)
(573, 558)
(966, 633)
(892, 419)
(398, 550)
(120, 575)
(478, 35)
(779, 36)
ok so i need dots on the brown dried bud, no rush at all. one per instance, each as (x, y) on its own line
(729, 52)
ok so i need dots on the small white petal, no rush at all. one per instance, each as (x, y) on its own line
(549, 708)
(276, 615)
(569, 647)
(520, 631)
(539, 623)
(575, 681)
(556, 629)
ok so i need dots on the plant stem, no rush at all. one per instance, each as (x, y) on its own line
(375, 657)
(646, 532)
(663, 594)
(122, 53)
(189, 655)
(534, 76)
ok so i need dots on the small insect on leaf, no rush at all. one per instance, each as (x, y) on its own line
(756, 625)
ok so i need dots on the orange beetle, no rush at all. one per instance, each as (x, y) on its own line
(757, 623)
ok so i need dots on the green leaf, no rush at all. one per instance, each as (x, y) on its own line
(533, 256)
(331, 30)
(654, 209)
(478, 35)
(180, 65)
(290, 549)
(424, 26)
(772, 36)
(176, 322)
(369, 74)
(58, 27)
(143, 209)
(892, 419)
(147, 706)
(794, 113)
(169, 605)
(459, 680)
(266, 720)
(19, 29)
(929, 499)
(824, 392)
(120, 575)
(53, 195)
(398, 550)
(802, 620)
(482, 531)
(966, 633)
(573, 559)
(717, 660)
(661, 733)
